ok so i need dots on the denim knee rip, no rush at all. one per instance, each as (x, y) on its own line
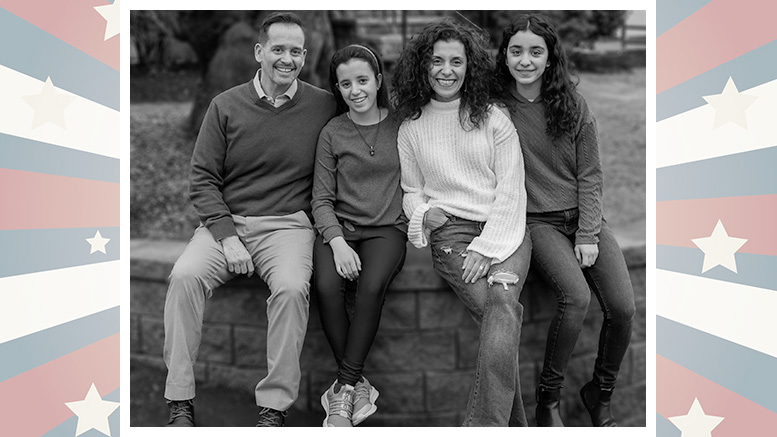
(504, 277)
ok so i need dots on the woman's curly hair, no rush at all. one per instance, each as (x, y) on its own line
(558, 88)
(411, 89)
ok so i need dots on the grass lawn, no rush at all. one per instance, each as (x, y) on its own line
(160, 151)
(618, 102)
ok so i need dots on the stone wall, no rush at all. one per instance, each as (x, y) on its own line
(424, 354)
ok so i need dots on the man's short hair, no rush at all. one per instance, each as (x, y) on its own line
(278, 17)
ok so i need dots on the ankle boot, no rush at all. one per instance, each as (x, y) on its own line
(548, 402)
(597, 402)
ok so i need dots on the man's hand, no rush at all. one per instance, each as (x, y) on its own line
(475, 266)
(239, 260)
(347, 260)
(586, 254)
(434, 218)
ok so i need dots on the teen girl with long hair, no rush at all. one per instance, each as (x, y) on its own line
(357, 206)
(573, 248)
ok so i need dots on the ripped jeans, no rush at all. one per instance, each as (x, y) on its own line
(495, 396)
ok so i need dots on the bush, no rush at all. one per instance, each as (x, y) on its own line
(607, 62)
(160, 151)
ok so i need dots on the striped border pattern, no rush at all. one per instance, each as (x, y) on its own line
(59, 231)
(716, 205)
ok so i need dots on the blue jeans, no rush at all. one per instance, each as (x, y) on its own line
(553, 257)
(495, 397)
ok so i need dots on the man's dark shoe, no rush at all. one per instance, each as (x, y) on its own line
(181, 413)
(597, 402)
(270, 417)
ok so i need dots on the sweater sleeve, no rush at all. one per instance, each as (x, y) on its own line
(414, 201)
(505, 227)
(589, 178)
(206, 175)
(325, 188)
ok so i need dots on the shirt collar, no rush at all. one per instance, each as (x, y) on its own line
(262, 95)
(517, 96)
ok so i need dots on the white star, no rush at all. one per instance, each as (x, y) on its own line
(719, 249)
(111, 15)
(696, 423)
(98, 243)
(730, 106)
(93, 412)
(49, 105)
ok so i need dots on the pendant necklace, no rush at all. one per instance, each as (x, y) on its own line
(377, 133)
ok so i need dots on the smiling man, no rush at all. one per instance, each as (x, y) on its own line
(250, 183)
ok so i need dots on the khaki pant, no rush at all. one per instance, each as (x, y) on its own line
(281, 248)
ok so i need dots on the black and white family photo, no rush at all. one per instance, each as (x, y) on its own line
(387, 218)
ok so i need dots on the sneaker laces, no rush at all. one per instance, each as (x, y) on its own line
(269, 417)
(361, 391)
(180, 409)
(341, 406)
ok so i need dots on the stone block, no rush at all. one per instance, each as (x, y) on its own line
(638, 363)
(530, 376)
(440, 309)
(234, 378)
(242, 301)
(152, 332)
(579, 372)
(422, 350)
(399, 392)
(153, 259)
(316, 353)
(136, 341)
(468, 321)
(542, 302)
(418, 274)
(152, 361)
(399, 311)
(534, 335)
(314, 319)
(147, 297)
(250, 346)
(448, 391)
(468, 341)
(628, 405)
(216, 344)
(588, 340)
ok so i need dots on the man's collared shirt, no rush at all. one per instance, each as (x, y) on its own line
(278, 101)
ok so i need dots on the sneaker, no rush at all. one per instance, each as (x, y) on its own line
(338, 406)
(364, 399)
(181, 413)
(270, 418)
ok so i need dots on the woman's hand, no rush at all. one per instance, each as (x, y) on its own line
(586, 254)
(347, 261)
(475, 266)
(434, 218)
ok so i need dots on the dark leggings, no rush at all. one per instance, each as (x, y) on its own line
(381, 250)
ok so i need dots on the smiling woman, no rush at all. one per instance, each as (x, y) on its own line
(448, 70)
(462, 174)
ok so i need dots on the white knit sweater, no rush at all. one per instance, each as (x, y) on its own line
(476, 175)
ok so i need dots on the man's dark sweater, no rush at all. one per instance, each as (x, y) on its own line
(253, 159)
